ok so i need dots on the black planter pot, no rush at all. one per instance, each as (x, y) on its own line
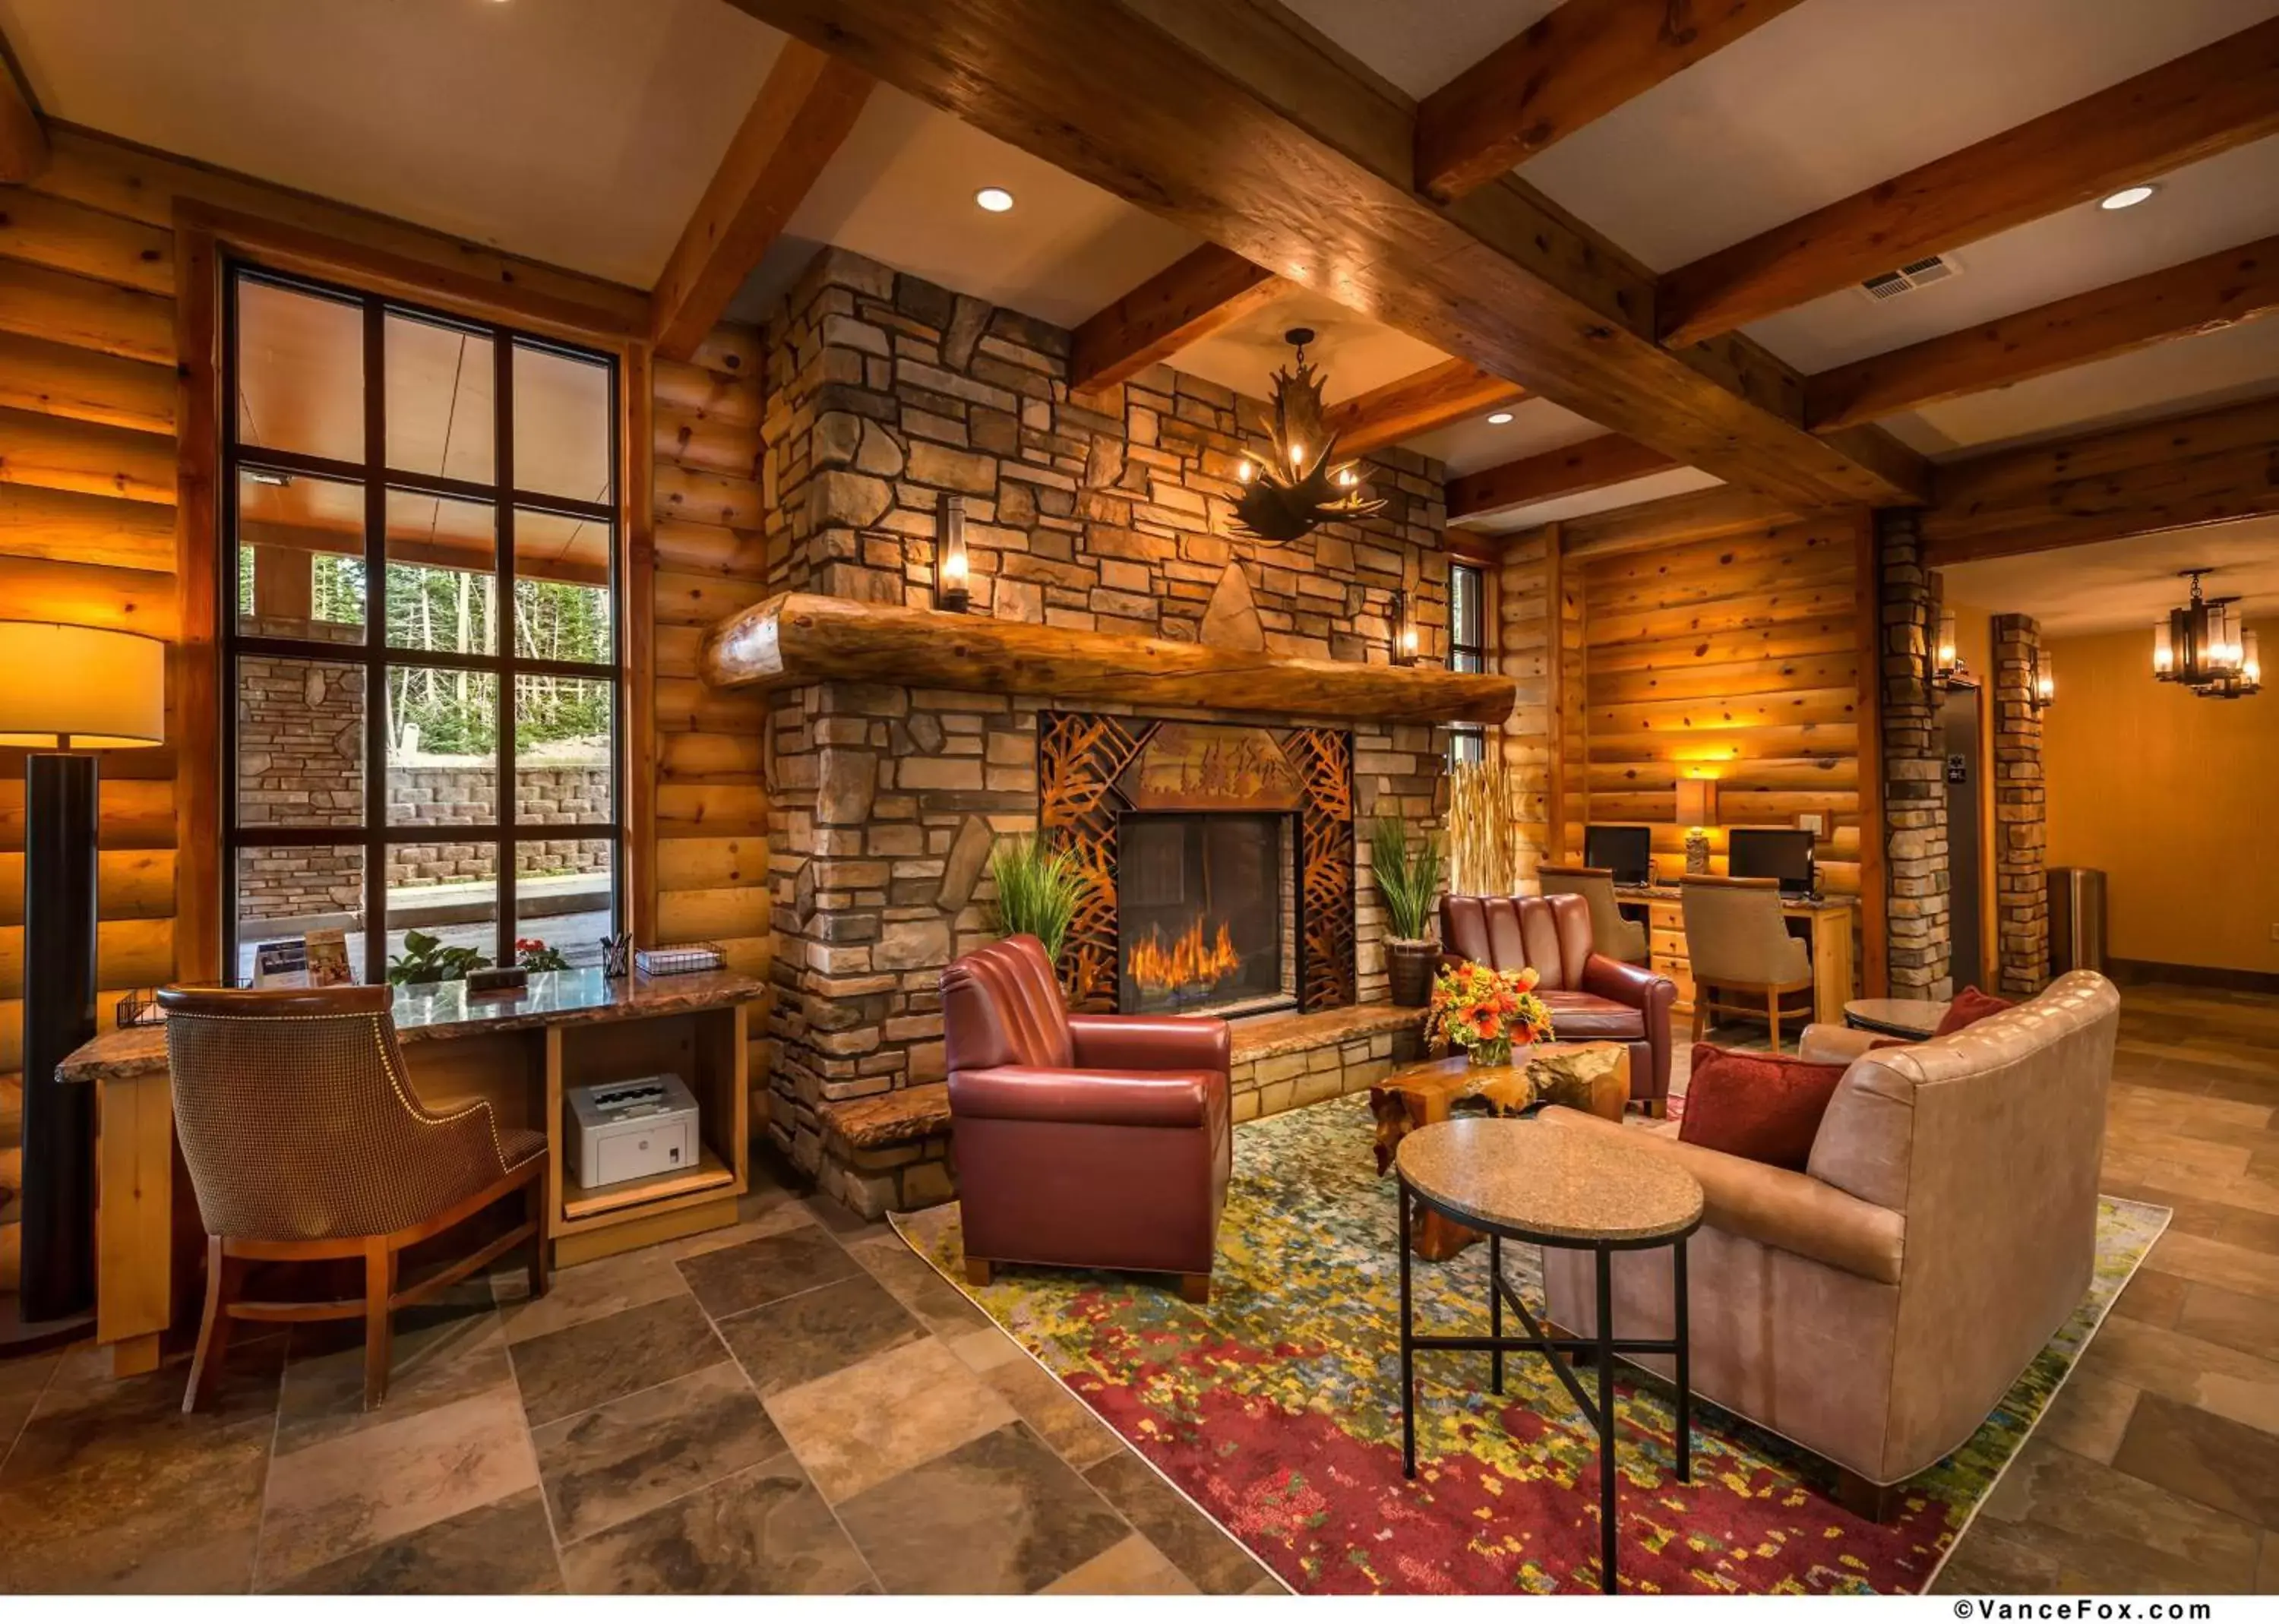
(1409, 966)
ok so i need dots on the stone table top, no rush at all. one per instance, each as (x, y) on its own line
(1895, 1017)
(1538, 1180)
(554, 997)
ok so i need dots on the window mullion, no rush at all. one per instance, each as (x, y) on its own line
(375, 640)
(503, 471)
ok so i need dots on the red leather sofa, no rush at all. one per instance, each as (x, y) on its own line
(1593, 998)
(1088, 1141)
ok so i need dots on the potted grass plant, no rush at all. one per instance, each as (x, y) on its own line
(1038, 889)
(1407, 876)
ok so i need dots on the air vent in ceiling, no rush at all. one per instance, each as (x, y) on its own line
(1907, 278)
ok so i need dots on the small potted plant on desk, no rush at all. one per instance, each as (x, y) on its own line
(1408, 878)
(426, 961)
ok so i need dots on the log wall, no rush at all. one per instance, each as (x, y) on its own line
(1737, 657)
(87, 459)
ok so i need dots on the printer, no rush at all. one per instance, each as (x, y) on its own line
(637, 1129)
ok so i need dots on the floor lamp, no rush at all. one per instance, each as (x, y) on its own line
(65, 691)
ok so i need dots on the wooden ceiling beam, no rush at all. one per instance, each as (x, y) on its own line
(1416, 405)
(23, 132)
(805, 109)
(1696, 516)
(2207, 102)
(1190, 298)
(1249, 128)
(1575, 65)
(1591, 465)
(2201, 468)
(2221, 290)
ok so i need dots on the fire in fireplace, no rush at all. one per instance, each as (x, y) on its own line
(1184, 965)
(1203, 898)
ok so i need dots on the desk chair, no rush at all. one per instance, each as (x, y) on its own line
(1737, 942)
(305, 1142)
(1616, 936)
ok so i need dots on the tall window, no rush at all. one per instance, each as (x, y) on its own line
(420, 511)
(1467, 652)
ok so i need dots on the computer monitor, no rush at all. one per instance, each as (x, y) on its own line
(1626, 848)
(1782, 854)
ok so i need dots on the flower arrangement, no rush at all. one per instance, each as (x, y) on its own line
(1484, 1012)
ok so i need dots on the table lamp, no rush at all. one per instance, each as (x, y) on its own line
(1697, 810)
(65, 691)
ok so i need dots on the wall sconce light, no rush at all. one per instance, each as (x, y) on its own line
(1697, 811)
(1945, 658)
(952, 579)
(1405, 636)
(2045, 681)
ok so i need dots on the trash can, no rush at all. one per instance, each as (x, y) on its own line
(2076, 920)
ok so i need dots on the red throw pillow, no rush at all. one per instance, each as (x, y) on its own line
(1764, 1106)
(1970, 1006)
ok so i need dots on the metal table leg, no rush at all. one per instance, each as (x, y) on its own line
(1408, 1346)
(1495, 1312)
(1605, 1418)
(1685, 1371)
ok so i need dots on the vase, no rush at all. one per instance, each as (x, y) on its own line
(1409, 966)
(1495, 1052)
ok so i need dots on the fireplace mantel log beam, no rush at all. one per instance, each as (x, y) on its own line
(799, 638)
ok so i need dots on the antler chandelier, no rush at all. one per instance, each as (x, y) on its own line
(2204, 646)
(1288, 492)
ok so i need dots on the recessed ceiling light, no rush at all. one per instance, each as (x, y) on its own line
(1499, 416)
(996, 199)
(2128, 197)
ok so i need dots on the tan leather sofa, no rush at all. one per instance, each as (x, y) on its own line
(1876, 1307)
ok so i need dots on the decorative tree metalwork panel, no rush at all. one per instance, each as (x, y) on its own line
(1079, 757)
(1326, 974)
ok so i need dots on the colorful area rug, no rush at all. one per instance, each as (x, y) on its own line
(1274, 1408)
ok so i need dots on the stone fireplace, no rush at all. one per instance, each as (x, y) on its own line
(1100, 527)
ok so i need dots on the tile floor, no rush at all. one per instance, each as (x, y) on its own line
(795, 1404)
(799, 1404)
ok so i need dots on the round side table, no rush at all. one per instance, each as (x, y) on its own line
(1914, 1019)
(1533, 1181)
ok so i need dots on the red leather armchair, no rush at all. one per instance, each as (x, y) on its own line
(1593, 998)
(1087, 1141)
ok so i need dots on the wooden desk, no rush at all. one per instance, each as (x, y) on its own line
(1829, 925)
(510, 1050)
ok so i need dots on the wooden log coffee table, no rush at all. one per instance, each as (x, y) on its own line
(1588, 1077)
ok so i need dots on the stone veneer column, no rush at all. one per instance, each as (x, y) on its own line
(1915, 788)
(2020, 885)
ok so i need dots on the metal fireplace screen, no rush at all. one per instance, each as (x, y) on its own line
(1100, 776)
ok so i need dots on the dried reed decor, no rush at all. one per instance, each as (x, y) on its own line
(1482, 838)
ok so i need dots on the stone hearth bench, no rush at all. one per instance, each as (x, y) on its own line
(890, 1153)
(1283, 1062)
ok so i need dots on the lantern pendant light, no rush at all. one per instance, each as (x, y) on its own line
(2205, 647)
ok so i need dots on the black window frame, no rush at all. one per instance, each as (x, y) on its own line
(373, 656)
(1468, 741)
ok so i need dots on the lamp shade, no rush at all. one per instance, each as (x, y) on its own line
(80, 687)
(1696, 802)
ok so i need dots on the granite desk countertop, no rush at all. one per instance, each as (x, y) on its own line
(554, 997)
